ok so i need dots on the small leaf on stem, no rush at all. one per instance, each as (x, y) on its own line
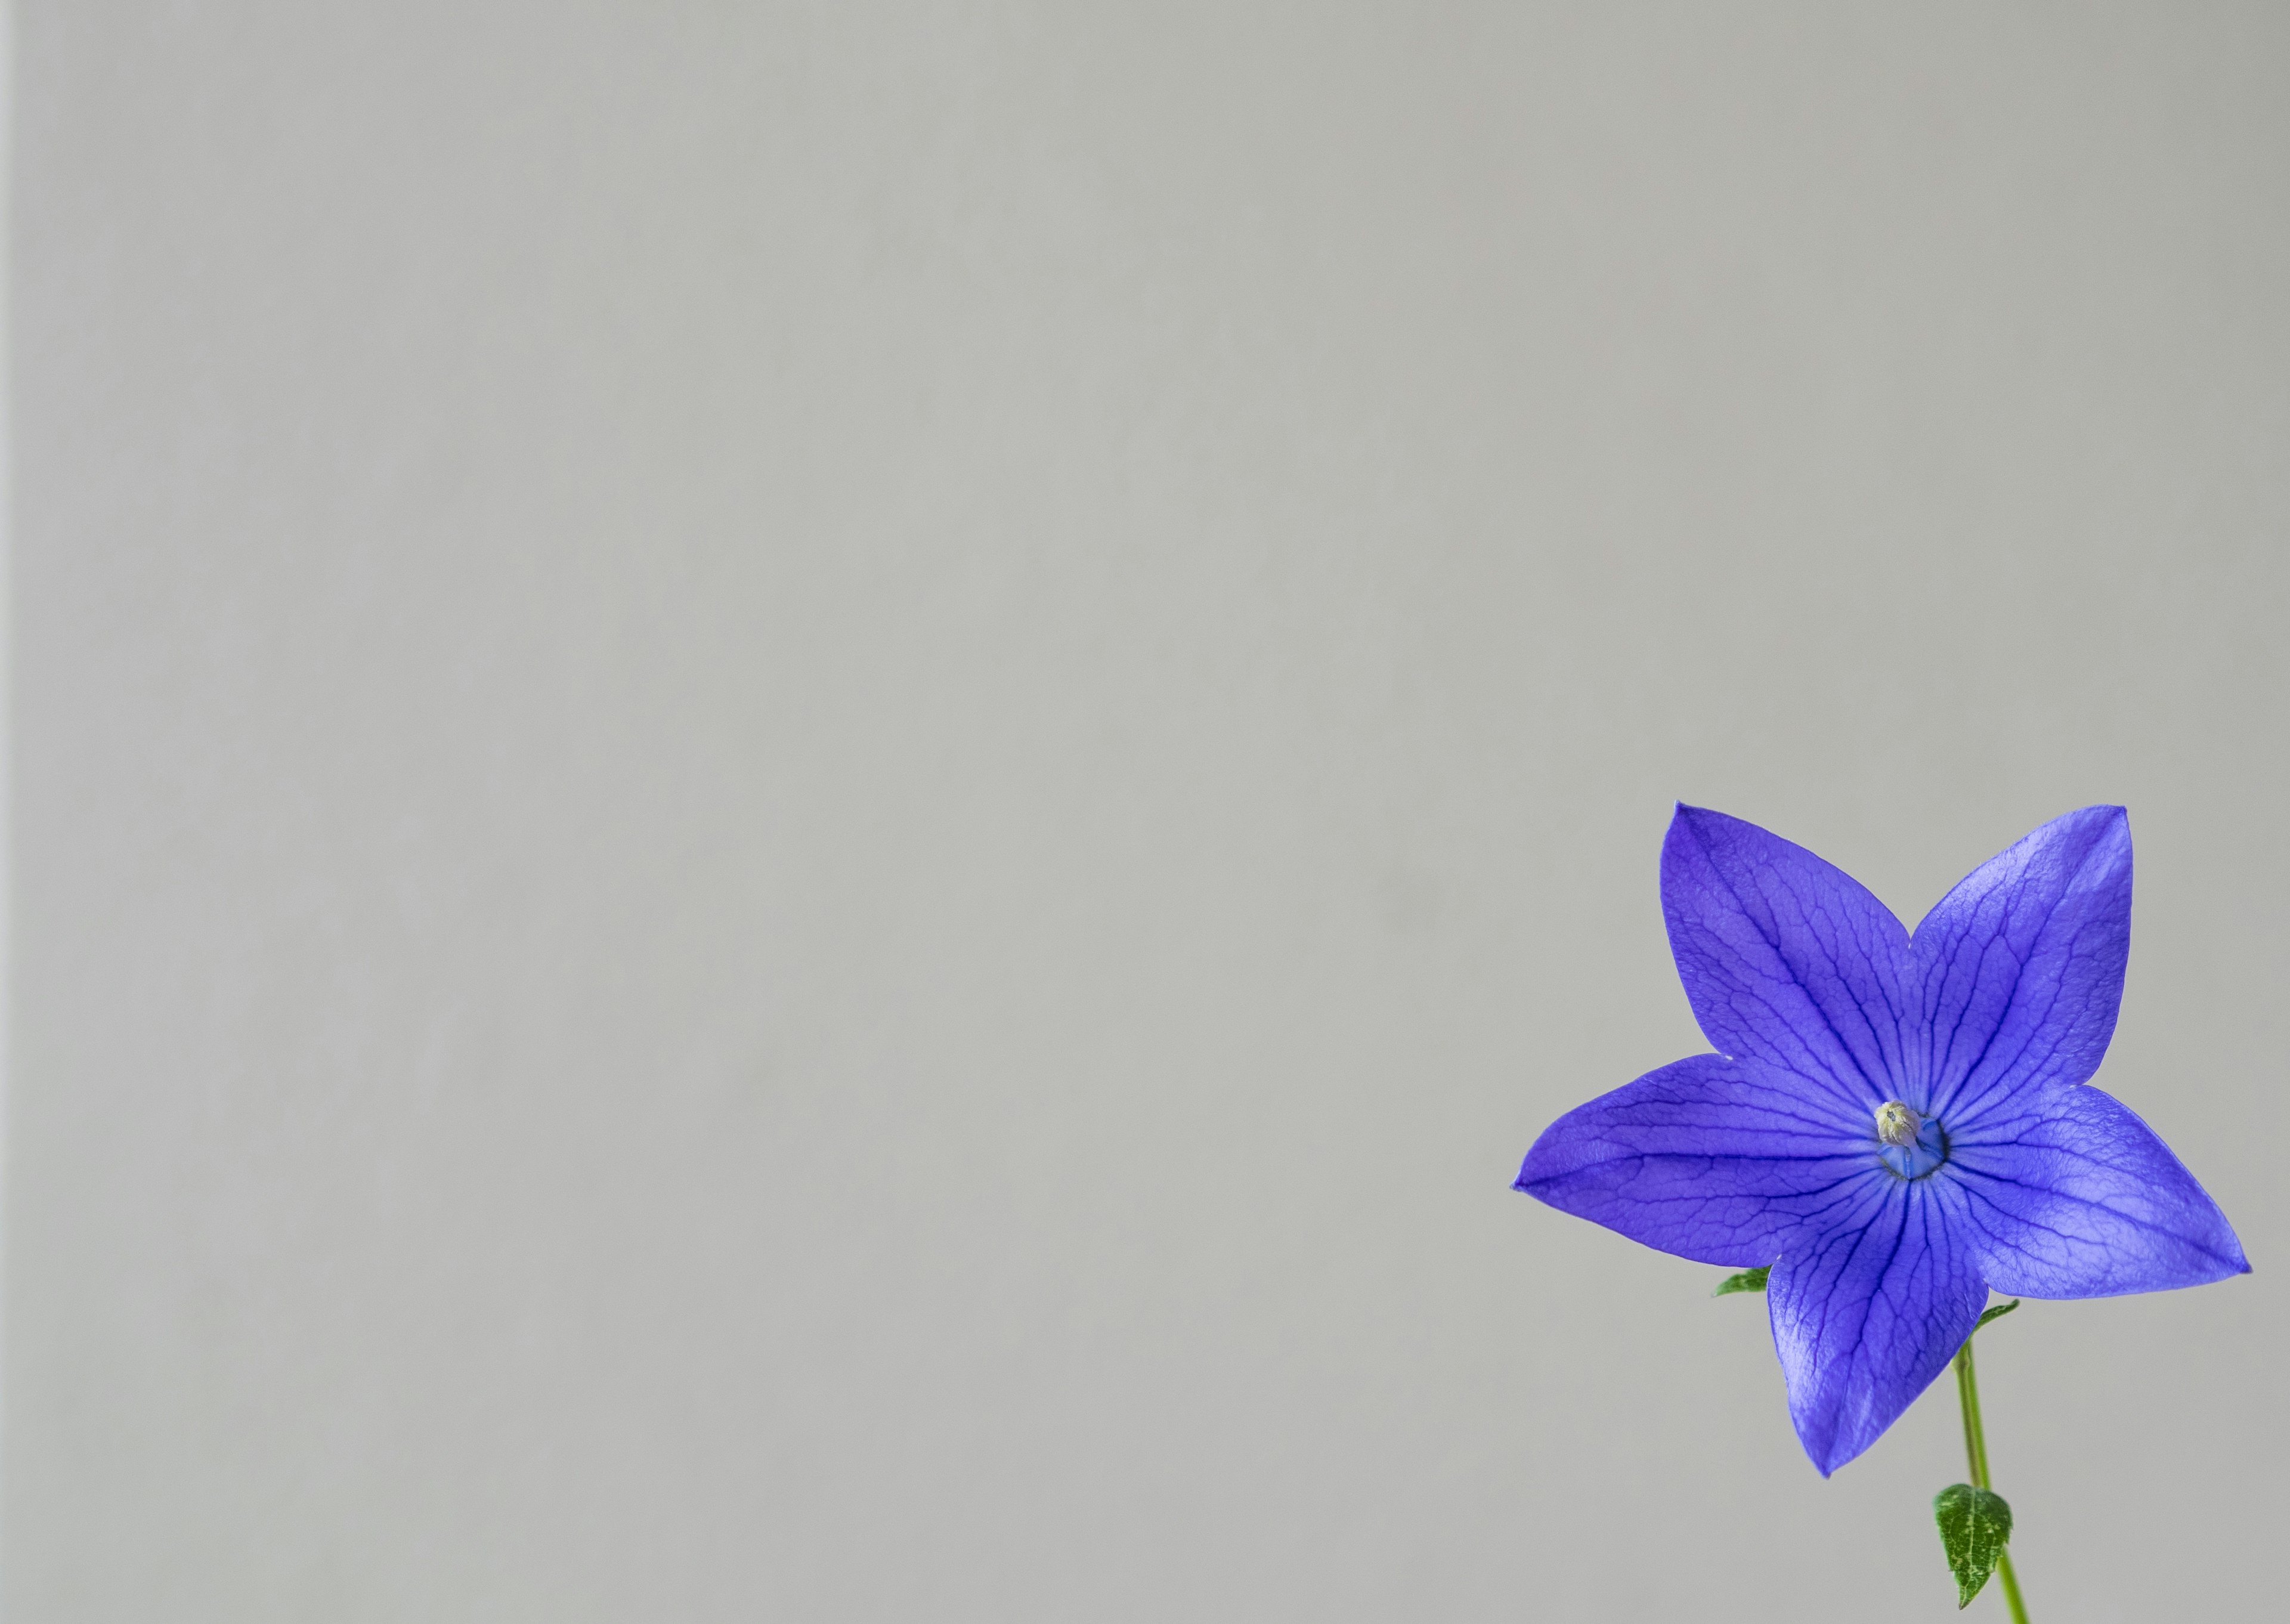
(1747, 1280)
(1976, 1525)
(1998, 1312)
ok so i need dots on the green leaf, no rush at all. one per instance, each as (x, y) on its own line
(1747, 1280)
(1998, 1312)
(1974, 1527)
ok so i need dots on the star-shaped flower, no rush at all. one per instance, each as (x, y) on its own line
(1895, 1124)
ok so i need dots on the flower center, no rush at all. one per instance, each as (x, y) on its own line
(1910, 1145)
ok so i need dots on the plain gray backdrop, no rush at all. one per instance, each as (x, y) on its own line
(809, 800)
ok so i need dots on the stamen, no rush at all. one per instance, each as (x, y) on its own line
(1897, 1126)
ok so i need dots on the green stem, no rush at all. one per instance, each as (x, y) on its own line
(1975, 1454)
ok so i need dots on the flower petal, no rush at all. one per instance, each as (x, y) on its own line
(2020, 967)
(1786, 959)
(1867, 1313)
(1714, 1159)
(2070, 1195)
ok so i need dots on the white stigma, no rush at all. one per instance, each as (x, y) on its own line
(1896, 1125)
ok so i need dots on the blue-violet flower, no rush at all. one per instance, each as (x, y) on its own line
(1894, 1123)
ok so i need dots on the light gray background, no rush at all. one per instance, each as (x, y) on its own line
(809, 800)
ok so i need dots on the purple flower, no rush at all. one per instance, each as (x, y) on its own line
(1895, 1124)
